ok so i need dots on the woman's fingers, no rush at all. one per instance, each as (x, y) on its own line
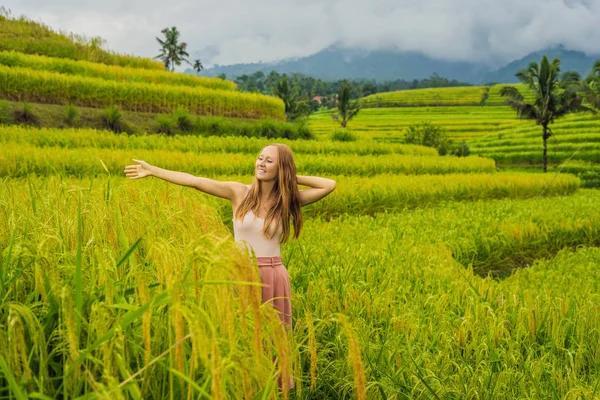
(133, 171)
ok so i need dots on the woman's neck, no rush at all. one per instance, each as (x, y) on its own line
(266, 189)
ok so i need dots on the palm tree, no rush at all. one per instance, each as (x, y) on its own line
(172, 52)
(591, 86)
(346, 109)
(287, 94)
(198, 65)
(548, 103)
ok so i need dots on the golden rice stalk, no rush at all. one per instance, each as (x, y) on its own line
(355, 358)
(216, 388)
(144, 298)
(179, 325)
(68, 318)
(18, 355)
(312, 348)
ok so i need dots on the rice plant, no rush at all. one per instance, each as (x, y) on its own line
(17, 83)
(71, 114)
(111, 289)
(26, 115)
(165, 124)
(182, 119)
(6, 113)
(111, 118)
(342, 135)
(109, 72)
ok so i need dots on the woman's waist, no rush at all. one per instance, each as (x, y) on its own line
(269, 261)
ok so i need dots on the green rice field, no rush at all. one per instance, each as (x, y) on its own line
(420, 277)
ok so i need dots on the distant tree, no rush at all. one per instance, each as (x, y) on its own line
(548, 103)
(198, 66)
(172, 52)
(591, 86)
(345, 107)
(303, 109)
(222, 76)
(427, 134)
(284, 90)
(271, 80)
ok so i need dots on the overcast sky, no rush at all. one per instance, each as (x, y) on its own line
(234, 31)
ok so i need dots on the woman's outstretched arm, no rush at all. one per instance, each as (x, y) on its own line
(226, 190)
(319, 188)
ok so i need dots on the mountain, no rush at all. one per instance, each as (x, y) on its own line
(570, 60)
(336, 63)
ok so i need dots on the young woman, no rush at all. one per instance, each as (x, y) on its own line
(263, 212)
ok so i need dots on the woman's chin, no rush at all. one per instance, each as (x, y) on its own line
(262, 177)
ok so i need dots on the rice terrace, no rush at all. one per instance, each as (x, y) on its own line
(457, 258)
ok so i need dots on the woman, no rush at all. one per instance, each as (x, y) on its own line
(262, 212)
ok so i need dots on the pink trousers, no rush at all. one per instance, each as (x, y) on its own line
(276, 290)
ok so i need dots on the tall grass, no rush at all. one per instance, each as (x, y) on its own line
(20, 160)
(109, 72)
(97, 298)
(453, 96)
(31, 37)
(427, 326)
(54, 88)
(71, 138)
(381, 305)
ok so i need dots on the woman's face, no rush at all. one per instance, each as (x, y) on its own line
(267, 164)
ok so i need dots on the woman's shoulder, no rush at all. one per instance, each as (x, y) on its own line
(240, 193)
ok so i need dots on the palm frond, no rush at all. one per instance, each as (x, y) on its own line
(524, 110)
(511, 92)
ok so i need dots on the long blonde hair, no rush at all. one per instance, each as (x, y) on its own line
(287, 198)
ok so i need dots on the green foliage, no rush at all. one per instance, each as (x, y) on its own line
(198, 66)
(590, 179)
(342, 135)
(427, 134)
(295, 108)
(6, 114)
(172, 52)
(303, 129)
(269, 128)
(461, 150)
(165, 124)
(71, 114)
(26, 115)
(303, 109)
(346, 109)
(20, 83)
(109, 72)
(32, 37)
(484, 96)
(591, 86)
(308, 87)
(287, 94)
(554, 96)
(183, 119)
(111, 118)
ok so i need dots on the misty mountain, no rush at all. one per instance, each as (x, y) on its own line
(336, 63)
(569, 61)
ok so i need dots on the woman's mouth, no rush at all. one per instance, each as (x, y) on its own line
(261, 171)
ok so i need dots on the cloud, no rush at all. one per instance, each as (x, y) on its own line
(234, 31)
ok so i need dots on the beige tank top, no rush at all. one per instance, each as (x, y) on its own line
(248, 231)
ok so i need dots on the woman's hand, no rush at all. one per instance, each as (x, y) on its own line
(138, 171)
(319, 188)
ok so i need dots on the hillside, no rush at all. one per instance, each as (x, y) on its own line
(335, 63)
(32, 37)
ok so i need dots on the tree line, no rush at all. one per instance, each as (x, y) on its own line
(308, 87)
(555, 94)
